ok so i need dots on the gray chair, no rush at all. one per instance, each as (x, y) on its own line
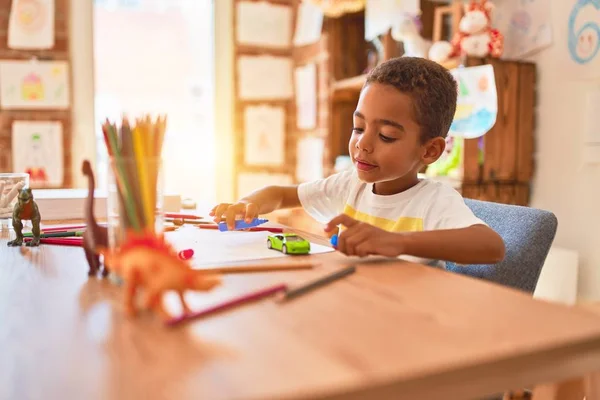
(528, 234)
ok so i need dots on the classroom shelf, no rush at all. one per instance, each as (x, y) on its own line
(354, 83)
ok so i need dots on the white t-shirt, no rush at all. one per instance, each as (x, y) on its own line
(429, 205)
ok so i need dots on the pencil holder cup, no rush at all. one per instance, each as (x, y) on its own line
(10, 185)
(135, 197)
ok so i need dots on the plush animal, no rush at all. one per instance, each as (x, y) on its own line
(408, 31)
(476, 37)
(26, 209)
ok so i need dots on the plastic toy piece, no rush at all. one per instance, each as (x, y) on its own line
(186, 254)
(334, 240)
(146, 261)
(94, 235)
(26, 209)
(242, 224)
(288, 243)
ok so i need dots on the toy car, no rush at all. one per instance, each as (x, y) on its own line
(288, 243)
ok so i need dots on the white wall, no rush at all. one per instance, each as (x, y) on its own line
(562, 183)
(82, 67)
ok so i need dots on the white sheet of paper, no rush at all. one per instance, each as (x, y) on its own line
(34, 85)
(477, 104)
(310, 159)
(309, 24)
(306, 96)
(380, 15)
(526, 26)
(265, 78)
(580, 40)
(248, 182)
(213, 247)
(31, 24)
(264, 138)
(264, 24)
(37, 148)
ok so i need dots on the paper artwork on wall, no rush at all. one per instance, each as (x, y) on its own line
(306, 96)
(249, 182)
(34, 85)
(580, 40)
(526, 26)
(310, 159)
(477, 104)
(309, 24)
(265, 78)
(264, 135)
(31, 24)
(37, 149)
(264, 24)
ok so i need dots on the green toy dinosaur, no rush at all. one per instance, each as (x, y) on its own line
(26, 210)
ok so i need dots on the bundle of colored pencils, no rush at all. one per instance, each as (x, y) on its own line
(135, 154)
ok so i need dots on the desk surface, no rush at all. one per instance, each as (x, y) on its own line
(394, 330)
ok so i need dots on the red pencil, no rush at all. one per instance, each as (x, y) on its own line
(60, 241)
(182, 216)
(246, 298)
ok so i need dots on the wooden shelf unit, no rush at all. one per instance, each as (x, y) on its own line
(507, 169)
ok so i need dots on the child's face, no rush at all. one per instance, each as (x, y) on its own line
(385, 145)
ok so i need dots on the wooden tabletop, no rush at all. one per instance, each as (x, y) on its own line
(390, 331)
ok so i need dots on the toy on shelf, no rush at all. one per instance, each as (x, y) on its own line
(288, 243)
(94, 235)
(26, 209)
(146, 260)
(475, 37)
(408, 31)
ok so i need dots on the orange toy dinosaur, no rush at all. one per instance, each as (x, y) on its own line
(147, 261)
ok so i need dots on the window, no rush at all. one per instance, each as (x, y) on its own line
(156, 56)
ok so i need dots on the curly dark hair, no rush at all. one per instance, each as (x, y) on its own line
(432, 88)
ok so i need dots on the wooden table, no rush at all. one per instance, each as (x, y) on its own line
(393, 330)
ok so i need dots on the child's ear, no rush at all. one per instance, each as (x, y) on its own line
(433, 149)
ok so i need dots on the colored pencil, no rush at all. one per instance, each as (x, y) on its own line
(302, 289)
(59, 241)
(181, 216)
(225, 269)
(246, 298)
(56, 234)
(135, 152)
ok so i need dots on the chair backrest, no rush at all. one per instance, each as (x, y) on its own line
(528, 234)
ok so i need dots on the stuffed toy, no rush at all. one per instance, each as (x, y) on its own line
(408, 31)
(475, 36)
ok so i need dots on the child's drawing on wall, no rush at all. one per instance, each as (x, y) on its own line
(37, 149)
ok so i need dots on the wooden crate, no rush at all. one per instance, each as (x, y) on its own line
(507, 149)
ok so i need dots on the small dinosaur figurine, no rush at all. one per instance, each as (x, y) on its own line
(26, 210)
(147, 261)
(94, 235)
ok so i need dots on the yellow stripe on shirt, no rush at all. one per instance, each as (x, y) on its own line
(402, 224)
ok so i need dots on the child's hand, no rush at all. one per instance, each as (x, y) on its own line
(229, 212)
(362, 239)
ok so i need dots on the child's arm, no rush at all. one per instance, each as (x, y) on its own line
(476, 244)
(262, 201)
